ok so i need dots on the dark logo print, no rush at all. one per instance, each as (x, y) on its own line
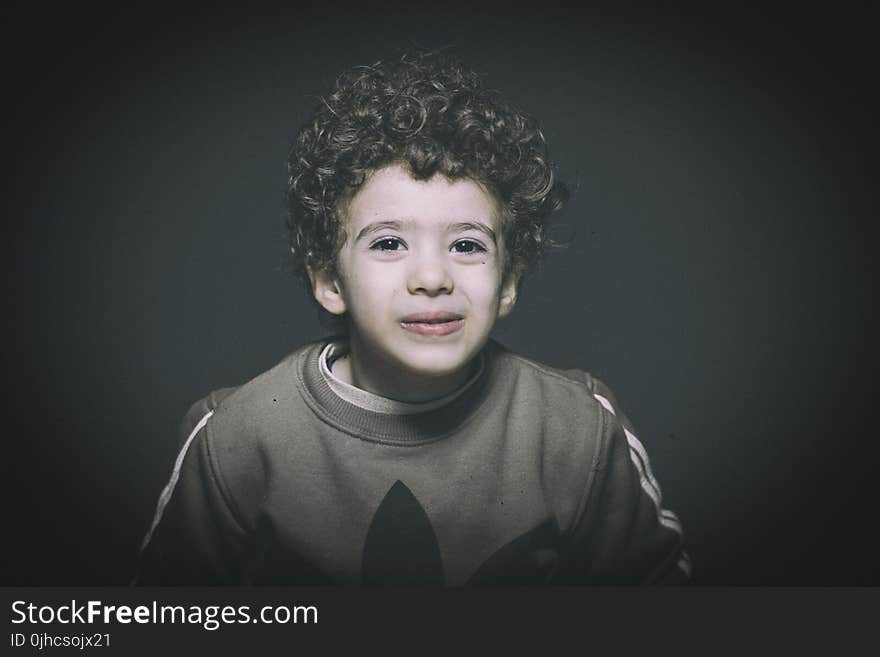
(528, 560)
(401, 549)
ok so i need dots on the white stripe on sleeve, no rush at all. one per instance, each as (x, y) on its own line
(639, 457)
(685, 563)
(165, 497)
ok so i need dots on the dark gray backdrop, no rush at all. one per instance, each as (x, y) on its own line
(718, 275)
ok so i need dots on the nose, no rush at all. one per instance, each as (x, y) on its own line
(429, 275)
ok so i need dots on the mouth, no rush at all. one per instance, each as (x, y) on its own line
(433, 323)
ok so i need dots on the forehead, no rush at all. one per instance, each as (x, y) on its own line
(391, 193)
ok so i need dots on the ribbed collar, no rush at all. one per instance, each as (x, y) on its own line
(414, 429)
(372, 402)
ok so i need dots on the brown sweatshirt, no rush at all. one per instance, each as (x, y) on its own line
(530, 477)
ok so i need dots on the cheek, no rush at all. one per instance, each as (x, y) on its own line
(485, 288)
(371, 286)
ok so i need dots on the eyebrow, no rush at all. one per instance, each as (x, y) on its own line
(456, 227)
(379, 226)
(461, 226)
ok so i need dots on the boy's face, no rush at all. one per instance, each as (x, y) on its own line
(420, 275)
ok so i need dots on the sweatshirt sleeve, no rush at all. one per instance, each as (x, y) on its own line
(624, 534)
(194, 538)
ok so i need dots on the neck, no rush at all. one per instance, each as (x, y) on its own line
(381, 378)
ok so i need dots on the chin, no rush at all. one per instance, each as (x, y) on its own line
(437, 361)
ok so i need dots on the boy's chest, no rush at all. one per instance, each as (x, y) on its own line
(380, 517)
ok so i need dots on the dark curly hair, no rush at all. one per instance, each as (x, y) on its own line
(432, 115)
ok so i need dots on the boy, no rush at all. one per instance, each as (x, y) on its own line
(411, 449)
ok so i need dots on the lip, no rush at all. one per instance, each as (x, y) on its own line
(436, 323)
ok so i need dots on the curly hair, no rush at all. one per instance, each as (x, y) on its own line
(432, 115)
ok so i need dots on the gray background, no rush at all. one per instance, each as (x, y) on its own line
(718, 273)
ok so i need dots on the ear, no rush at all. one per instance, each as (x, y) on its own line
(327, 291)
(508, 295)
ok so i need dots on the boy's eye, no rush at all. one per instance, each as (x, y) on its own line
(387, 244)
(467, 246)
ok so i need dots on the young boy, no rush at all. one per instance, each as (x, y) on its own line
(412, 449)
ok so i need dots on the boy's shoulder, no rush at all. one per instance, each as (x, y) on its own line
(263, 396)
(573, 392)
(575, 410)
(548, 379)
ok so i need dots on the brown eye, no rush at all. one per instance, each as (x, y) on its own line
(387, 244)
(467, 246)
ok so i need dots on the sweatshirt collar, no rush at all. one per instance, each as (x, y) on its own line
(417, 428)
(372, 402)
